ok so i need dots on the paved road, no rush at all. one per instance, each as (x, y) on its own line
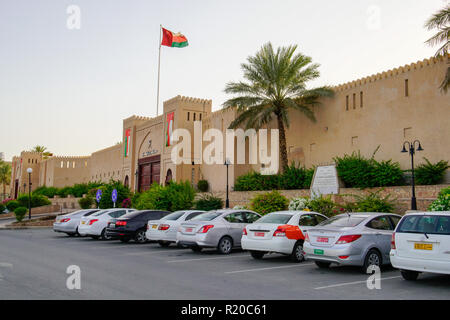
(33, 265)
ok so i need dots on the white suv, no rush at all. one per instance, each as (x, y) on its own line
(421, 243)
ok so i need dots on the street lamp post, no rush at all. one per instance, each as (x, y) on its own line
(227, 200)
(412, 150)
(136, 183)
(29, 170)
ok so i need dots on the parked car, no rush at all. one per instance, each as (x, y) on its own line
(94, 226)
(68, 223)
(165, 230)
(280, 232)
(221, 229)
(421, 243)
(133, 225)
(357, 239)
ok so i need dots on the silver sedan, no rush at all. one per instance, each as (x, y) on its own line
(68, 223)
(221, 229)
(357, 239)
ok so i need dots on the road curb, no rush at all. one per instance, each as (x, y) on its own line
(23, 227)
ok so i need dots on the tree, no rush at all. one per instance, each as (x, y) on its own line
(441, 21)
(5, 175)
(276, 83)
(43, 150)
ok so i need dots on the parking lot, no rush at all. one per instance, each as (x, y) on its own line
(33, 265)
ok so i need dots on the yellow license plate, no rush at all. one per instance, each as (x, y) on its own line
(154, 226)
(423, 246)
(82, 222)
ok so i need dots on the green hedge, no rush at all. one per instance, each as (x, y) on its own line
(175, 196)
(12, 205)
(208, 202)
(430, 173)
(37, 200)
(20, 213)
(269, 202)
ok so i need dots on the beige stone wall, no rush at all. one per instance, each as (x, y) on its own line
(402, 195)
(19, 166)
(60, 171)
(107, 164)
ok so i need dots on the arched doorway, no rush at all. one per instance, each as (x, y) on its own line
(126, 182)
(168, 177)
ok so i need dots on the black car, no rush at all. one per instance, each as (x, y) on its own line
(133, 225)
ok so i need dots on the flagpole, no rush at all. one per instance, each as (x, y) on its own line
(159, 69)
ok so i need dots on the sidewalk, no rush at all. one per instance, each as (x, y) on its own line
(4, 222)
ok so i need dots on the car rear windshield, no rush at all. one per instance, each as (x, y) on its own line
(343, 221)
(432, 224)
(275, 218)
(132, 214)
(99, 213)
(174, 215)
(207, 216)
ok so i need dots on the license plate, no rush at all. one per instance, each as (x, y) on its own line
(112, 225)
(259, 234)
(154, 226)
(322, 239)
(423, 246)
(318, 251)
(82, 222)
(189, 229)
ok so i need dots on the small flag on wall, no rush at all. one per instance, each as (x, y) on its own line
(175, 40)
(127, 143)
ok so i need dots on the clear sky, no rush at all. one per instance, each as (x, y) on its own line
(70, 89)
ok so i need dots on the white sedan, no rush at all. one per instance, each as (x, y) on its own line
(165, 230)
(94, 225)
(421, 243)
(280, 232)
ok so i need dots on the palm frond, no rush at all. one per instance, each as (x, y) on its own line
(439, 19)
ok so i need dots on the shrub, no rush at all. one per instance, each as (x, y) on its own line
(269, 202)
(64, 192)
(175, 196)
(126, 203)
(296, 177)
(299, 204)
(208, 202)
(2, 208)
(254, 181)
(135, 199)
(20, 213)
(442, 203)
(49, 192)
(12, 205)
(323, 205)
(374, 202)
(86, 202)
(358, 172)
(78, 190)
(6, 201)
(37, 200)
(202, 185)
(429, 173)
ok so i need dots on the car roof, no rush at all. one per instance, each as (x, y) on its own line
(447, 213)
(233, 210)
(294, 212)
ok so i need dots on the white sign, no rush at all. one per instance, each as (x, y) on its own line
(325, 181)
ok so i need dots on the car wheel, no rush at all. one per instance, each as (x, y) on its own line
(322, 265)
(409, 275)
(164, 244)
(140, 237)
(373, 258)
(258, 255)
(124, 240)
(77, 233)
(297, 253)
(196, 249)
(103, 236)
(225, 245)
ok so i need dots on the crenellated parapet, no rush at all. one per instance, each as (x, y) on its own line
(390, 73)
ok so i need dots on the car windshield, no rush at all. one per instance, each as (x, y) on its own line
(132, 214)
(275, 218)
(174, 215)
(99, 213)
(425, 224)
(343, 221)
(208, 216)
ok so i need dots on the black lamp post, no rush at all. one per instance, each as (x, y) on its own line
(136, 181)
(412, 150)
(29, 170)
(227, 200)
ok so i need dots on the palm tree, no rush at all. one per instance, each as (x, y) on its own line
(5, 175)
(276, 83)
(441, 21)
(43, 150)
